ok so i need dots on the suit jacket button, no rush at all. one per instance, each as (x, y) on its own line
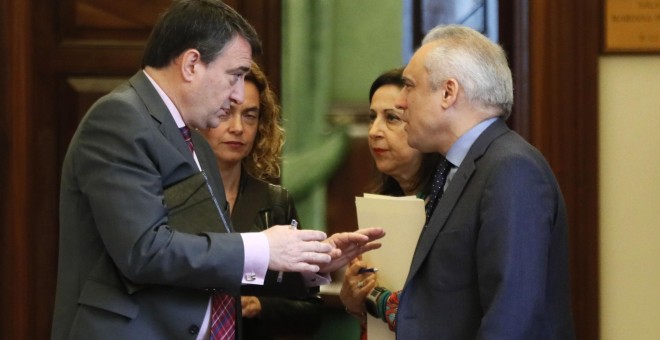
(194, 329)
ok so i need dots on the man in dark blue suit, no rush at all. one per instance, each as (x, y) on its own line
(492, 260)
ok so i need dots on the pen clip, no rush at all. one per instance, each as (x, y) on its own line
(264, 215)
(294, 226)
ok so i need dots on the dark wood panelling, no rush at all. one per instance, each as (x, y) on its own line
(514, 38)
(350, 181)
(117, 14)
(266, 17)
(565, 36)
(16, 252)
(102, 20)
(5, 133)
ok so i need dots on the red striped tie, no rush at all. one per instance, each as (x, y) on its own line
(187, 136)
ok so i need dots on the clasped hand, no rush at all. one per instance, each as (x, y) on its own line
(312, 251)
(356, 286)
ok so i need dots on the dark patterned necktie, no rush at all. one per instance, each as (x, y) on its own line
(187, 136)
(439, 179)
(223, 311)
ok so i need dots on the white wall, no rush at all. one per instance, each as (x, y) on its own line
(630, 196)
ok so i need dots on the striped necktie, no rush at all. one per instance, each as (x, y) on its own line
(187, 136)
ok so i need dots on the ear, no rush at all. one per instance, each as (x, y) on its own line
(189, 63)
(450, 90)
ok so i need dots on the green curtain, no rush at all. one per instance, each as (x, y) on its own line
(313, 148)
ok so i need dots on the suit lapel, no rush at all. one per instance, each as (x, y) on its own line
(440, 215)
(208, 162)
(167, 126)
(159, 111)
(452, 194)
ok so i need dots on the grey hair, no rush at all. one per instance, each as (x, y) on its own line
(478, 64)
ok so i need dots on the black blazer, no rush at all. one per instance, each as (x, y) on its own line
(260, 205)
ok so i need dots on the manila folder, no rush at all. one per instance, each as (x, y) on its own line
(402, 218)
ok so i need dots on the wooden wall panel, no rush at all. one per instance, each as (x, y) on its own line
(118, 14)
(564, 49)
(266, 17)
(351, 180)
(514, 38)
(15, 19)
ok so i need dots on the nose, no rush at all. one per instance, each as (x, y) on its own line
(376, 128)
(235, 123)
(237, 94)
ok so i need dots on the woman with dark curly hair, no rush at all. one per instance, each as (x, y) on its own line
(248, 144)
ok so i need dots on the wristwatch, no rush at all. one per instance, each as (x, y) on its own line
(371, 303)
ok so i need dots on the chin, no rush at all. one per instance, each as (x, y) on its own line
(212, 124)
(384, 168)
(230, 160)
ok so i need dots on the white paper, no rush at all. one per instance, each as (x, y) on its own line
(402, 218)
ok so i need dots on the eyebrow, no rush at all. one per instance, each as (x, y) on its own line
(242, 69)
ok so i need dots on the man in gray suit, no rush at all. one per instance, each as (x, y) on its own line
(492, 260)
(124, 273)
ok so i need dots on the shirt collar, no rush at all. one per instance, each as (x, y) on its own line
(459, 150)
(168, 102)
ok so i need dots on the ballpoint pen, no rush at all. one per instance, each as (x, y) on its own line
(367, 270)
(294, 226)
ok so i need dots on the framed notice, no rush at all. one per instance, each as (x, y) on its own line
(632, 26)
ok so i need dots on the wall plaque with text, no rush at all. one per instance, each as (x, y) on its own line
(632, 25)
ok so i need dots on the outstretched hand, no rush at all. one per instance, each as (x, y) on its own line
(297, 250)
(348, 245)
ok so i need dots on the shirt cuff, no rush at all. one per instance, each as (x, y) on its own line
(257, 255)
